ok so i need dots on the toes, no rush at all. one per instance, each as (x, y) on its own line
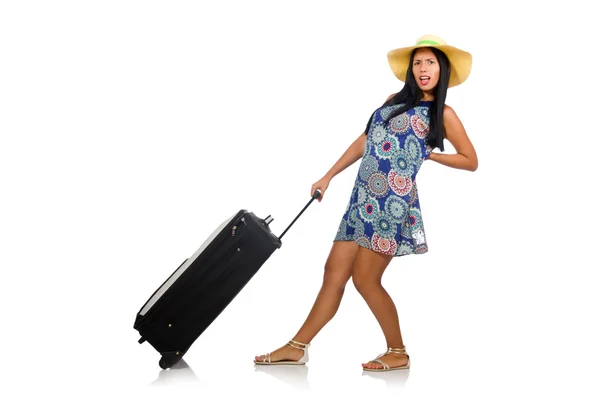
(372, 365)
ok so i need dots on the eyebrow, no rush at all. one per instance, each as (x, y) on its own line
(428, 59)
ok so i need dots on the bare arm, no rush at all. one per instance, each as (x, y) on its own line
(465, 157)
(350, 156)
(354, 152)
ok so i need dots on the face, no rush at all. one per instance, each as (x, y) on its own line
(426, 70)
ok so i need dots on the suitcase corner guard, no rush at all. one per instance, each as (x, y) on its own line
(169, 359)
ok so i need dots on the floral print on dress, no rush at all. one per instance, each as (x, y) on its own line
(384, 213)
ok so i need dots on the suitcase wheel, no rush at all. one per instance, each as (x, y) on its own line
(169, 359)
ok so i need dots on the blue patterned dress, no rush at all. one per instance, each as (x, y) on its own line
(383, 213)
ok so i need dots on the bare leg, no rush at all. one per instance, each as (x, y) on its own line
(367, 272)
(338, 269)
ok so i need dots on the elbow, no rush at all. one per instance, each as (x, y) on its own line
(473, 166)
(469, 163)
(473, 162)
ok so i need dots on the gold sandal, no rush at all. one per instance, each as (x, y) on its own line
(386, 367)
(294, 344)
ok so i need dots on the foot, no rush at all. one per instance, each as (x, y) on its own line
(393, 359)
(285, 352)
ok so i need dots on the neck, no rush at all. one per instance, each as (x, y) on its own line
(427, 96)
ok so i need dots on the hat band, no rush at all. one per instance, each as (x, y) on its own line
(428, 42)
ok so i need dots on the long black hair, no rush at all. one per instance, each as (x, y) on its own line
(411, 95)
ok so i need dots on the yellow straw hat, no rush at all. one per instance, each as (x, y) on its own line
(460, 61)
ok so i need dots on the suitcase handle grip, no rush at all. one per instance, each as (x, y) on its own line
(315, 195)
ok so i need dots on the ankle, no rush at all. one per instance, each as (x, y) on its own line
(298, 344)
(397, 350)
(300, 341)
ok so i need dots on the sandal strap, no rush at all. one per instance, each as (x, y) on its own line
(396, 350)
(385, 366)
(292, 343)
(298, 345)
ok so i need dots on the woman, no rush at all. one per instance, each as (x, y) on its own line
(383, 217)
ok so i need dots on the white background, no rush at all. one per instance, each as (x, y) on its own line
(131, 129)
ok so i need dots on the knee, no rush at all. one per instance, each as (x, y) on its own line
(335, 280)
(365, 283)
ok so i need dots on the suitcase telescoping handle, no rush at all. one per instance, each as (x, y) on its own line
(316, 195)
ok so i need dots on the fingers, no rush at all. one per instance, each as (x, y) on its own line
(321, 196)
(318, 186)
(321, 192)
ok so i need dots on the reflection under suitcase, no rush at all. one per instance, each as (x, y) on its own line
(185, 305)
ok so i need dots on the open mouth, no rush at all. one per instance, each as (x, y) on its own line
(424, 80)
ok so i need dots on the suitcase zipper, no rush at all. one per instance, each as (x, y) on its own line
(234, 228)
(216, 242)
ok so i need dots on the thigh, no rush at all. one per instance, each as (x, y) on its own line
(369, 265)
(338, 267)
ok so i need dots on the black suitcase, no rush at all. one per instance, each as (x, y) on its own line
(183, 307)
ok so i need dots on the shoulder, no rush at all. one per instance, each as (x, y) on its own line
(450, 116)
(452, 123)
(449, 113)
(388, 98)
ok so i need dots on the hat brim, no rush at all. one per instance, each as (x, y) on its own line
(460, 62)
